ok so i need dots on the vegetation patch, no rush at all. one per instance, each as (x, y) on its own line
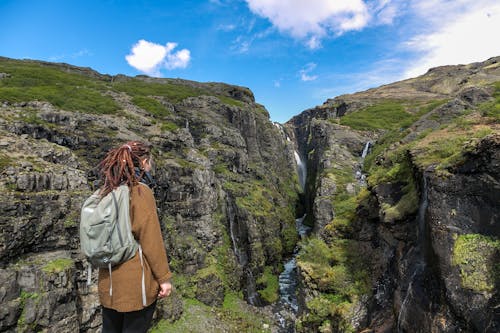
(385, 115)
(339, 271)
(173, 93)
(477, 257)
(234, 316)
(492, 108)
(58, 265)
(29, 81)
(5, 161)
(269, 281)
(151, 105)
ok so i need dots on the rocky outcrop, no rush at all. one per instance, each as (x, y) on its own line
(425, 226)
(214, 148)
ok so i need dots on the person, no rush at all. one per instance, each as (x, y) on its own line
(124, 310)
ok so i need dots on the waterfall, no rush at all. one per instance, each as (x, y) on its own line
(365, 150)
(361, 177)
(302, 171)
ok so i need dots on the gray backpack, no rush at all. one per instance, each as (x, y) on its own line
(106, 237)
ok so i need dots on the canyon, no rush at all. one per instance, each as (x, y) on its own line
(374, 212)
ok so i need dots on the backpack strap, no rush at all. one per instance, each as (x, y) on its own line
(110, 281)
(142, 280)
(89, 274)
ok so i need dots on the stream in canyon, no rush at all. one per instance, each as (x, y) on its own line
(287, 307)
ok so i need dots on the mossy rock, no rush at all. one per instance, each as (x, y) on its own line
(477, 257)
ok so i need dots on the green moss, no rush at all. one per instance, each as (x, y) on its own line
(337, 267)
(151, 105)
(270, 292)
(477, 258)
(21, 321)
(407, 205)
(58, 265)
(339, 272)
(326, 309)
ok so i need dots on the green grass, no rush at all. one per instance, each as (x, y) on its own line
(492, 108)
(168, 126)
(29, 81)
(477, 257)
(151, 105)
(173, 93)
(5, 161)
(198, 317)
(385, 115)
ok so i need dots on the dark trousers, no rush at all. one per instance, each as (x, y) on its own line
(127, 322)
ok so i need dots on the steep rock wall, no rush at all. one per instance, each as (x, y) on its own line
(219, 161)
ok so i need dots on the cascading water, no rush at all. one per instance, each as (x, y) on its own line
(287, 306)
(365, 150)
(359, 175)
(301, 169)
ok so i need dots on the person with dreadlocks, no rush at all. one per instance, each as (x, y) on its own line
(124, 311)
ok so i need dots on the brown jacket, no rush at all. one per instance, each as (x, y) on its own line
(126, 277)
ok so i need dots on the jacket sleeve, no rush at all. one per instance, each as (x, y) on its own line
(148, 233)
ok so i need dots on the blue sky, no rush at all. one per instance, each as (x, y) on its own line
(292, 54)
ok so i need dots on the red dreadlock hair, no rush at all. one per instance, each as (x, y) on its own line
(118, 166)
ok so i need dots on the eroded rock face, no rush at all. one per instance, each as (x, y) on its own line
(207, 148)
(431, 262)
(466, 203)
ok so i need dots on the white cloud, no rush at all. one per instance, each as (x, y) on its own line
(313, 20)
(304, 73)
(465, 33)
(150, 58)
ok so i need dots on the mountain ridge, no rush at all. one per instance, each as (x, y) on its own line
(229, 194)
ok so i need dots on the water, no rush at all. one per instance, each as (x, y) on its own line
(301, 169)
(365, 150)
(288, 305)
(361, 177)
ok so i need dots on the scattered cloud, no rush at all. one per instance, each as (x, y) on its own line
(226, 27)
(75, 55)
(277, 83)
(464, 33)
(150, 58)
(311, 21)
(304, 73)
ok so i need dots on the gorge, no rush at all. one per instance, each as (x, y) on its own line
(374, 212)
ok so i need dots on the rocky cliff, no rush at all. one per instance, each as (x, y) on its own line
(226, 191)
(406, 238)
(401, 195)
